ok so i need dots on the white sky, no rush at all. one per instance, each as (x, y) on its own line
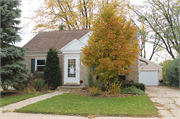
(28, 6)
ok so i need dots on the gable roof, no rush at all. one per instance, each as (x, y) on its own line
(74, 45)
(150, 61)
(58, 39)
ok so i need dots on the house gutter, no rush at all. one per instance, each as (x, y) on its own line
(39, 53)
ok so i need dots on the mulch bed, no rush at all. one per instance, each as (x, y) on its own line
(104, 94)
(15, 93)
(12, 93)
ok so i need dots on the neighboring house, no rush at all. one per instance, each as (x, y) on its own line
(68, 45)
(149, 72)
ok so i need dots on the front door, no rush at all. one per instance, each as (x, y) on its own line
(71, 70)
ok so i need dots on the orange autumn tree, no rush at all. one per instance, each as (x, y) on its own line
(112, 47)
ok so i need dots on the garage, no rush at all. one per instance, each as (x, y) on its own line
(149, 72)
(149, 78)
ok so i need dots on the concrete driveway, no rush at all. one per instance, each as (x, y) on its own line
(167, 101)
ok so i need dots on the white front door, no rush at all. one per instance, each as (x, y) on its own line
(71, 69)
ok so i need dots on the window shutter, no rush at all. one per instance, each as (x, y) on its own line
(32, 65)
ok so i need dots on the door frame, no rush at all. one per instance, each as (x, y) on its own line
(66, 80)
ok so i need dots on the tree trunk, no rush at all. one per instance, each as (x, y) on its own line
(4, 87)
(110, 84)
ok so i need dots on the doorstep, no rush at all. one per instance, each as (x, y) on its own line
(73, 87)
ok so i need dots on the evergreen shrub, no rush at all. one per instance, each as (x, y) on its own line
(132, 90)
(90, 78)
(137, 85)
(52, 73)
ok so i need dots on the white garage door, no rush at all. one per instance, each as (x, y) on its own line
(148, 77)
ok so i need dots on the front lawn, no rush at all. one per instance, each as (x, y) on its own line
(82, 105)
(8, 100)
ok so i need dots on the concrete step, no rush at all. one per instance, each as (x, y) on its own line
(60, 88)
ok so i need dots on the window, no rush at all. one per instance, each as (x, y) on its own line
(40, 64)
(71, 67)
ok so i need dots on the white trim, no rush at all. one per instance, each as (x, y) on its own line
(150, 70)
(39, 58)
(150, 61)
(39, 53)
(78, 67)
(72, 51)
(75, 40)
(86, 35)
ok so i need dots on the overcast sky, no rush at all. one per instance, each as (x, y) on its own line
(27, 7)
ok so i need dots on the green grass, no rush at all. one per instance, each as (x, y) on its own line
(82, 105)
(8, 100)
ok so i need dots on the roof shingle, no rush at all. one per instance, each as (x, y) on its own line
(58, 39)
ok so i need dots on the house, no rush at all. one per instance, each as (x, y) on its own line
(149, 72)
(68, 45)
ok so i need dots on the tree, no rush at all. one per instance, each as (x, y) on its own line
(163, 18)
(52, 73)
(74, 14)
(12, 68)
(173, 72)
(142, 34)
(165, 64)
(112, 47)
(145, 38)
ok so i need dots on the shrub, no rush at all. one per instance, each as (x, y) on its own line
(172, 72)
(115, 88)
(164, 64)
(100, 84)
(52, 73)
(21, 86)
(36, 75)
(30, 89)
(40, 85)
(94, 90)
(132, 90)
(90, 78)
(137, 85)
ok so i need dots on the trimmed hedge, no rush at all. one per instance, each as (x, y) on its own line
(137, 85)
(132, 90)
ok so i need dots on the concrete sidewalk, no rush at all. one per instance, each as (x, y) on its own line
(11, 115)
